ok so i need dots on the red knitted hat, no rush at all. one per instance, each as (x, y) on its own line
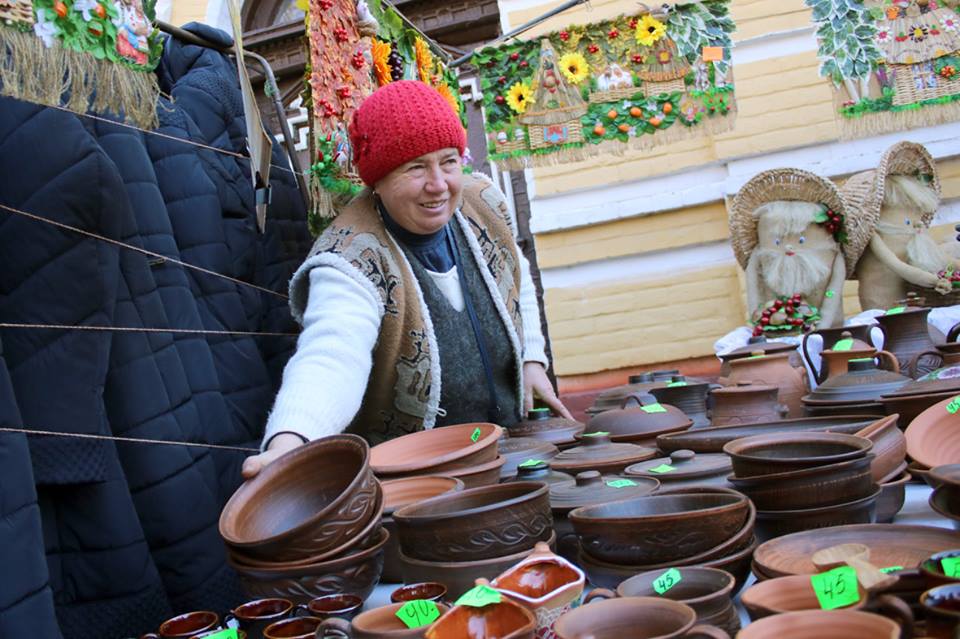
(399, 122)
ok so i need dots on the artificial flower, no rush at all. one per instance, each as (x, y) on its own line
(574, 67)
(519, 96)
(883, 36)
(381, 64)
(85, 7)
(664, 56)
(424, 59)
(650, 30)
(444, 90)
(918, 33)
(948, 72)
(45, 29)
(949, 24)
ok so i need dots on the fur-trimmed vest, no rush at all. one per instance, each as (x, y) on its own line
(403, 391)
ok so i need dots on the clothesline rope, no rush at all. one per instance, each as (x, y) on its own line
(134, 440)
(138, 249)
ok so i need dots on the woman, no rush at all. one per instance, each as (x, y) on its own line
(417, 306)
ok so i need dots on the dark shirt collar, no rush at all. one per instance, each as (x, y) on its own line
(432, 250)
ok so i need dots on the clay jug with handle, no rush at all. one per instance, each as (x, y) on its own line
(774, 370)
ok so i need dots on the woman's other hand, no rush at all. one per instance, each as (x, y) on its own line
(537, 384)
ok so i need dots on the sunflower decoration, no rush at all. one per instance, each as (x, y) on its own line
(424, 59)
(574, 67)
(649, 30)
(381, 61)
(519, 96)
(444, 90)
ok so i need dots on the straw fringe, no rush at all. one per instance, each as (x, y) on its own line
(870, 124)
(57, 76)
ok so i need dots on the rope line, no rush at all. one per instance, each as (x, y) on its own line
(133, 440)
(145, 329)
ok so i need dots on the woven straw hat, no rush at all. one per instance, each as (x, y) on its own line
(864, 191)
(780, 184)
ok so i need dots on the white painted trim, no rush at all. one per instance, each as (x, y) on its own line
(773, 45)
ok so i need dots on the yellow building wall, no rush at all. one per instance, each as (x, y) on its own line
(185, 11)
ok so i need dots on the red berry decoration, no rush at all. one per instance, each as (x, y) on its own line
(502, 79)
(524, 64)
(491, 64)
(765, 320)
(499, 99)
(637, 58)
(564, 36)
(633, 23)
(593, 48)
(358, 60)
(514, 56)
(343, 92)
(613, 33)
(340, 34)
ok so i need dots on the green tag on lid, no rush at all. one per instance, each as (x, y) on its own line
(954, 405)
(653, 408)
(891, 569)
(675, 384)
(950, 566)
(663, 468)
(529, 463)
(621, 483)
(476, 435)
(229, 633)
(478, 597)
(836, 588)
(418, 613)
(843, 345)
(667, 580)
(896, 310)
(599, 433)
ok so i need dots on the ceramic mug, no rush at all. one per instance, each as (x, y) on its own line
(379, 623)
(942, 608)
(344, 606)
(186, 625)
(634, 617)
(296, 628)
(428, 590)
(254, 616)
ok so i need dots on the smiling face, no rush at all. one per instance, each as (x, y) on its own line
(422, 194)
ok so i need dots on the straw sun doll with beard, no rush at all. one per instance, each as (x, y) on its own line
(789, 233)
(896, 204)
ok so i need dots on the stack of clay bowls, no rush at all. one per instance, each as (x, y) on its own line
(699, 526)
(467, 452)
(889, 466)
(308, 524)
(459, 537)
(800, 481)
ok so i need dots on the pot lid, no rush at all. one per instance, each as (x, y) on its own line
(543, 425)
(642, 415)
(848, 342)
(683, 464)
(516, 450)
(538, 470)
(942, 380)
(744, 389)
(863, 382)
(590, 487)
(909, 306)
(598, 449)
(759, 343)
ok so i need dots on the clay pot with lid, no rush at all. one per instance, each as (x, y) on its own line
(543, 425)
(640, 383)
(907, 334)
(540, 471)
(598, 452)
(775, 370)
(863, 383)
(517, 450)
(689, 396)
(686, 468)
(639, 421)
(746, 404)
(858, 333)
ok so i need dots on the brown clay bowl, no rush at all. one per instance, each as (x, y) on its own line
(633, 617)
(942, 502)
(932, 438)
(435, 451)
(477, 523)
(504, 620)
(776, 523)
(308, 503)
(777, 453)
(378, 623)
(946, 475)
(459, 576)
(785, 594)
(809, 487)
(839, 409)
(889, 446)
(893, 493)
(817, 624)
(485, 474)
(355, 573)
(932, 570)
(658, 528)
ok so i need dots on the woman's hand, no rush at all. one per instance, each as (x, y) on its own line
(537, 384)
(279, 445)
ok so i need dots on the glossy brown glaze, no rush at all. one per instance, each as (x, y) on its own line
(749, 404)
(707, 590)
(775, 370)
(342, 605)
(776, 523)
(634, 617)
(478, 523)
(818, 624)
(297, 628)
(504, 620)
(932, 569)
(809, 487)
(254, 616)
(187, 625)
(431, 452)
(428, 590)
(379, 623)
(932, 438)
(780, 452)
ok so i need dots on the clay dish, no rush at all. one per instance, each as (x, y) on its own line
(893, 493)
(542, 582)
(477, 523)
(776, 523)
(841, 409)
(632, 423)
(943, 504)
(785, 594)
(946, 475)
(356, 573)
(659, 528)
(910, 406)
(307, 503)
(633, 617)
(809, 487)
(379, 623)
(434, 451)
(504, 620)
(777, 453)
(428, 590)
(688, 469)
(542, 472)
(712, 440)
(932, 438)
(597, 452)
(890, 545)
(889, 446)
(484, 474)
(817, 624)
(932, 569)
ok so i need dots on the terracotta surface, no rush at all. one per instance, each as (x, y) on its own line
(307, 503)
(892, 495)
(477, 523)
(836, 363)
(410, 490)
(759, 344)
(863, 382)
(749, 404)
(379, 623)
(818, 624)
(431, 452)
(782, 452)
(689, 468)
(776, 523)
(830, 336)
(612, 398)
(602, 455)
(809, 487)
(889, 446)
(542, 472)
(932, 438)
(504, 620)
(631, 423)
(774, 370)
(634, 617)
(543, 425)
(785, 594)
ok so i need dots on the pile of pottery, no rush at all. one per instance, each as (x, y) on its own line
(773, 369)
(308, 524)
(746, 403)
(800, 481)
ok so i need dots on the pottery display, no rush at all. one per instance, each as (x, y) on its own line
(688, 396)
(435, 451)
(755, 344)
(813, 487)
(786, 594)
(914, 397)
(860, 336)
(634, 617)
(379, 623)
(746, 404)
(310, 503)
(889, 446)
(941, 607)
(893, 492)
(658, 528)
(641, 383)
(776, 523)
(517, 450)
(504, 620)
(543, 425)
(541, 471)
(863, 382)
(777, 453)
(254, 616)
(932, 438)
(817, 624)
(932, 569)
(639, 420)
(597, 452)
(685, 468)
(774, 370)
(907, 334)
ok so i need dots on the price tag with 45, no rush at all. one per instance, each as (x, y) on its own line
(836, 588)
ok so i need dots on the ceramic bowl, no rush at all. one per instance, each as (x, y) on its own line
(932, 438)
(777, 453)
(504, 620)
(356, 573)
(477, 523)
(485, 474)
(889, 446)
(946, 475)
(809, 487)
(817, 624)
(785, 594)
(658, 528)
(308, 503)
(776, 523)
(942, 502)
(435, 451)
(633, 617)
(378, 623)
(932, 569)
(893, 493)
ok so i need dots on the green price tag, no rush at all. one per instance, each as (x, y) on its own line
(599, 433)
(476, 435)
(843, 345)
(663, 468)
(529, 463)
(621, 483)
(836, 588)
(654, 408)
(675, 384)
(418, 612)
(891, 569)
(229, 633)
(954, 405)
(666, 581)
(896, 310)
(830, 293)
(478, 597)
(950, 566)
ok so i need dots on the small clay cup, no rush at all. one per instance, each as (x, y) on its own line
(379, 623)
(818, 624)
(296, 628)
(636, 618)
(254, 616)
(344, 606)
(429, 590)
(942, 608)
(186, 625)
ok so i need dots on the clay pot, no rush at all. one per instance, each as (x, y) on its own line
(889, 446)
(296, 628)
(776, 523)
(658, 528)
(941, 606)
(689, 397)
(517, 450)
(817, 624)
(379, 623)
(543, 425)
(477, 523)
(863, 382)
(483, 474)
(892, 495)
(613, 397)
(907, 335)
(860, 334)
(598, 453)
(435, 451)
(688, 469)
(639, 421)
(541, 472)
(254, 616)
(425, 590)
(186, 625)
(755, 344)
(932, 438)
(813, 487)
(634, 617)
(774, 370)
(544, 583)
(312, 502)
(504, 620)
(838, 362)
(778, 453)
(932, 569)
(748, 404)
